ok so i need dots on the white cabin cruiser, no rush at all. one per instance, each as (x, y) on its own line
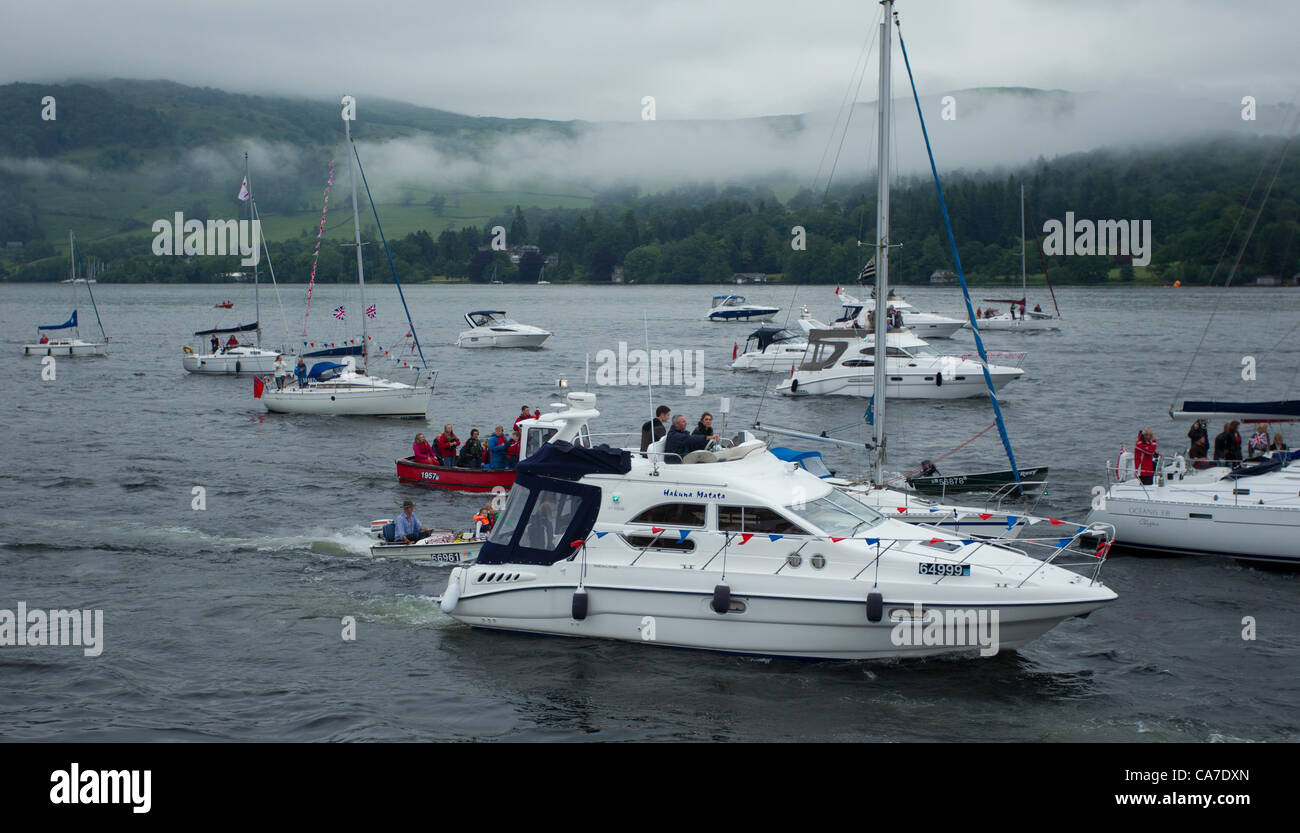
(771, 348)
(1251, 513)
(842, 363)
(922, 324)
(491, 328)
(734, 550)
(736, 308)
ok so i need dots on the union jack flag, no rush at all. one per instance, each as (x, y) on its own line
(370, 311)
(340, 313)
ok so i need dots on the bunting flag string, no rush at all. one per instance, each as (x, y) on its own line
(315, 255)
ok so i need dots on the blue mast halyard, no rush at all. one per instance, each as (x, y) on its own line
(961, 276)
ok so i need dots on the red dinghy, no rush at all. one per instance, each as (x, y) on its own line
(224, 305)
(453, 477)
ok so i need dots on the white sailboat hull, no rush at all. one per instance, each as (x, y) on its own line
(1004, 323)
(1262, 524)
(357, 399)
(241, 360)
(66, 348)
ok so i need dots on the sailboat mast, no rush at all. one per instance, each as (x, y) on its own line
(879, 374)
(356, 227)
(257, 299)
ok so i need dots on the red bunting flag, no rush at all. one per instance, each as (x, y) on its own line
(655, 529)
(1055, 521)
(745, 536)
(984, 516)
(835, 540)
(935, 541)
(901, 509)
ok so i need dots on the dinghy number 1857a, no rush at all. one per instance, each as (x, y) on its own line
(938, 569)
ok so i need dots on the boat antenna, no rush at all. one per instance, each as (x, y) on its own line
(89, 292)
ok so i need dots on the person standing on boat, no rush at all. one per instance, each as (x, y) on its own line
(281, 372)
(301, 372)
(654, 429)
(680, 442)
(524, 414)
(422, 452)
(448, 442)
(216, 344)
(472, 453)
(409, 529)
(1144, 455)
(497, 445)
(1197, 432)
(1258, 443)
(705, 426)
(512, 450)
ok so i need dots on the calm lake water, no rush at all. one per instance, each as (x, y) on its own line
(225, 623)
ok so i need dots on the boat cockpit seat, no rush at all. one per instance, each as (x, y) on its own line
(701, 456)
(1124, 468)
(737, 451)
(656, 449)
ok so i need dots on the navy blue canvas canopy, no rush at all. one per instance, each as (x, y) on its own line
(325, 370)
(350, 350)
(770, 335)
(242, 328)
(566, 461)
(541, 509)
(71, 322)
(1282, 409)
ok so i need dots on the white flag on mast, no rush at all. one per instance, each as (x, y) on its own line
(243, 191)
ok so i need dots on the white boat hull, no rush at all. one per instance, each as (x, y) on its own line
(906, 386)
(774, 621)
(744, 315)
(1153, 518)
(461, 552)
(241, 360)
(65, 348)
(768, 360)
(525, 340)
(352, 400)
(935, 329)
(1004, 323)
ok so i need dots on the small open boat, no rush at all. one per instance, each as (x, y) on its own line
(441, 547)
(1032, 482)
(224, 305)
(455, 478)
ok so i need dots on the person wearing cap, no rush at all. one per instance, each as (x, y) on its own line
(409, 529)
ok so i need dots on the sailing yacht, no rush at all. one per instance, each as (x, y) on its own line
(735, 550)
(70, 346)
(1027, 320)
(338, 388)
(226, 358)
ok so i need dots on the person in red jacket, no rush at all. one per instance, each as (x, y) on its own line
(1144, 456)
(512, 450)
(524, 414)
(448, 446)
(422, 451)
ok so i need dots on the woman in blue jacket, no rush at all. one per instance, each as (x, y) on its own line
(497, 444)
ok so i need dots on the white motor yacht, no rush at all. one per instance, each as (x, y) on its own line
(771, 348)
(1251, 513)
(922, 324)
(735, 550)
(491, 328)
(736, 308)
(842, 363)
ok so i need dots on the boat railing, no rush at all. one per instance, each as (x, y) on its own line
(1050, 548)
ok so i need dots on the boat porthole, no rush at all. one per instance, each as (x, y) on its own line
(331, 398)
(794, 559)
(818, 561)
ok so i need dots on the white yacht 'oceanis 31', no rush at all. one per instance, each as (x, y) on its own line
(738, 551)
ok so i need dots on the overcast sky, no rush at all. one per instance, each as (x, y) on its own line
(699, 59)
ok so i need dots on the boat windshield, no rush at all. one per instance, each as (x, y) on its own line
(729, 301)
(924, 351)
(837, 514)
